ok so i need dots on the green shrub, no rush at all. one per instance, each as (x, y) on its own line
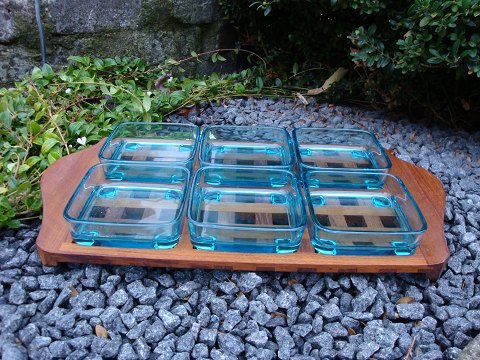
(429, 34)
(52, 114)
(402, 54)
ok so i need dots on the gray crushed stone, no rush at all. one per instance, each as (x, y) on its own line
(183, 314)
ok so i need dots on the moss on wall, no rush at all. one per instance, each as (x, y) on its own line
(150, 29)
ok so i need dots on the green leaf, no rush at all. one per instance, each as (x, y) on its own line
(40, 114)
(84, 60)
(434, 60)
(259, 82)
(425, 21)
(382, 62)
(3, 102)
(56, 118)
(14, 224)
(98, 63)
(109, 62)
(6, 118)
(22, 168)
(455, 47)
(32, 160)
(38, 141)
(104, 89)
(3, 190)
(194, 54)
(48, 145)
(147, 102)
(137, 105)
(474, 41)
(34, 128)
(172, 62)
(36, 73)
(54, 155)
(147, 117)
(36, 205)
(176, 98)
(51, 159)
(77, 59)
(370, 61)
(42, 82)
(11, 166)
(63, 76)
(214, 57)
(25, 186)
(434, 52)
(74, 128)
(239, 88)
(47, 71)
(220, 58)
(295, 68)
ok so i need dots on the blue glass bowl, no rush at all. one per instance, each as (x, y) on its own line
(147, 143)
(339, 150)
(246, 210)
(245, 146)
(363, 213)
(128, 207)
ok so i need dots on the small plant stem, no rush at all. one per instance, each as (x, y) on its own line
(50, 114)
(305, 71)
(29, 218)
(72, 104)
(410, 349)
(181, 61)
(111, 85)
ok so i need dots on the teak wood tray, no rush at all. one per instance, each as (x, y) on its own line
(55, 245)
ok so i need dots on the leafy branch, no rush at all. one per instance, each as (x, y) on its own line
(52, 114)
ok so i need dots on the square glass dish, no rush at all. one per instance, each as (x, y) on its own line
(147, 143)
(362, 214)
(127, 207)
(257, 146)
(246, 210)
(339, 149)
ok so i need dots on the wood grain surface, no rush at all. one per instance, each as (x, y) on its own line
(55, 245)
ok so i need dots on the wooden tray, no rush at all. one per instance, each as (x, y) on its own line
(55, 245)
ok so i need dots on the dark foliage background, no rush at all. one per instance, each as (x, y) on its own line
(418, 56)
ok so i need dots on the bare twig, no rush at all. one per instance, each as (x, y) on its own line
(355, 121)
(205, 53)
(410, 349)
(82, 99)
(305, 71)
(50, 115)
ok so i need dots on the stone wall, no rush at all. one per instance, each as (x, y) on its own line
(150, 29)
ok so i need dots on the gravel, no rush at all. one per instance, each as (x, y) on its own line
(51, 312)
